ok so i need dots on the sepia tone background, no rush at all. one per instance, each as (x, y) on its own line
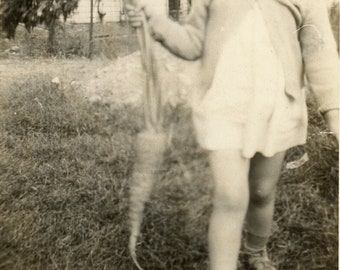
(67, 128)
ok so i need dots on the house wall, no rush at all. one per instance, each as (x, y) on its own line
(83, 13)
(112, 8)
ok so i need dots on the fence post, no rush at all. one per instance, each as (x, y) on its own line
(91, 31)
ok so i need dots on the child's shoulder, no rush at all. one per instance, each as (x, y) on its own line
(307, 8)
(307, 4)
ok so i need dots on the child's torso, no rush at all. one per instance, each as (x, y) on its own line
(247, 64)
(231, 15)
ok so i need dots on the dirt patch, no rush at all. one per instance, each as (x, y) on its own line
(110, 81)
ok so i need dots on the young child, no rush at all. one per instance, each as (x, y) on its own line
(249, 103)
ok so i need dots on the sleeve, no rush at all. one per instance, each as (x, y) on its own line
(182, 39)
(319, 52)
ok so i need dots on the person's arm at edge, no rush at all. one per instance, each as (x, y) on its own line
(321, 60)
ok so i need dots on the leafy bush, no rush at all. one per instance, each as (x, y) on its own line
(33, 12)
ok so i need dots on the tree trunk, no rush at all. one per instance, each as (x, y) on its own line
(51, 37)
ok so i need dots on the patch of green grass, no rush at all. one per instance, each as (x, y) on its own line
(65, 166)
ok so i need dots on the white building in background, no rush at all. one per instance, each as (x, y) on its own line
(113, 11)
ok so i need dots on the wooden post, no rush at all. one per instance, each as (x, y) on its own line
(91, 31)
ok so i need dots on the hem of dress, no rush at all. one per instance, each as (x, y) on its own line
(265, 153)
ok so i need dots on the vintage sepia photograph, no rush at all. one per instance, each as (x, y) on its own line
(169, 134)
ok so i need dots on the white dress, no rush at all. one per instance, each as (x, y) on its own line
(247, 107)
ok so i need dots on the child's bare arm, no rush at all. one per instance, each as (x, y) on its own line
(332, 120)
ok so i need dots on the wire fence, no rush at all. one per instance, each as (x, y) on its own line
(71, 38)
(110, 39)
(117, 39)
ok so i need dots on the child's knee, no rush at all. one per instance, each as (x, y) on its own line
(230, 200)
(262, 195)
(230, 176)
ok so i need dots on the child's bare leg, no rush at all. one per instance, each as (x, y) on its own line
(263, 177)
(230, 173)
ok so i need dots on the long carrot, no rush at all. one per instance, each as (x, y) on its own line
(149, 148)
(150, 144)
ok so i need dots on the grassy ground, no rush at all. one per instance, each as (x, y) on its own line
(64, 171)
(110, 40)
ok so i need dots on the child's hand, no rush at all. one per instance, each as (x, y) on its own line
(332, 120)
(135, 12)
